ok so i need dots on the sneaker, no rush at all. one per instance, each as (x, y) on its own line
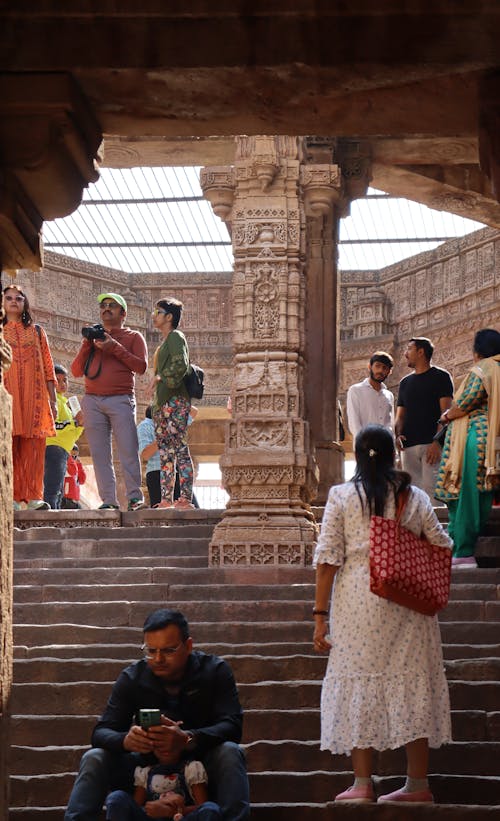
(38, 504)
(357, 795)
(164, 505)
(108, 507)
(463, 561)
(420, 797)
(135, 504)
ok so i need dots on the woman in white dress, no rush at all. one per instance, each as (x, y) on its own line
(385, 684)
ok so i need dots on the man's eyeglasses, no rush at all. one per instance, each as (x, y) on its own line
(152, 652)
(158, 311)
(109, 305)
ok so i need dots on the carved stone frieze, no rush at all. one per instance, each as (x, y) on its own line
(256, 553)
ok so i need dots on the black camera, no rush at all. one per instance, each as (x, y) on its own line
(94, 332)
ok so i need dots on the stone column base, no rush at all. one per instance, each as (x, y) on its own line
(284, 538)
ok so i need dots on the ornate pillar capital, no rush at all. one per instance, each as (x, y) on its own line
(218, 184)
(322, 187)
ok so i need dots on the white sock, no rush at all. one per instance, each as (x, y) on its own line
(416, 784)
(361, 782)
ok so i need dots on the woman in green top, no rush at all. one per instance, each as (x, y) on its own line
(171, 405)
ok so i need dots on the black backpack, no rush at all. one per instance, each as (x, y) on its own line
(194, 381)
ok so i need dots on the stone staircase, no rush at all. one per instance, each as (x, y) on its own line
(82, 593)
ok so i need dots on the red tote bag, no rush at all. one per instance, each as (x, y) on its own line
(406, 569)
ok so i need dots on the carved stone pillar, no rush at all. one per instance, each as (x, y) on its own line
(268, 467)
(49, 141)
(336, 172)
(322, 344)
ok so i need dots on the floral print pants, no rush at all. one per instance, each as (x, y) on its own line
(170, 423)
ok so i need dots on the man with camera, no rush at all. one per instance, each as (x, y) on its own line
(109, 357)
(200, 717)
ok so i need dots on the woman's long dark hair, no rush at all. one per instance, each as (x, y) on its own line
(375, 471)
(26, 317)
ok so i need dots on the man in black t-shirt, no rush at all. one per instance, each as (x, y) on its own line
(423, 396)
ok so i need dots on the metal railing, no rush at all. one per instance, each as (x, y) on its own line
(210, 494)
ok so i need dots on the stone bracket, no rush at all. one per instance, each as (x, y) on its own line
(49, 139)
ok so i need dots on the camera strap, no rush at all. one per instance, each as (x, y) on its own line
(86, 367)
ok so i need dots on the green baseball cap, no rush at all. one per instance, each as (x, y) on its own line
(119, 299)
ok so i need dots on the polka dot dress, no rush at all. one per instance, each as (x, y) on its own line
(385, 683)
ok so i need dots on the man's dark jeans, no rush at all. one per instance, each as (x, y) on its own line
(101, 771)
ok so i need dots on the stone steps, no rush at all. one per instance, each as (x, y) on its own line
(132, 611)
(288, 756)
(248, 668)
(313, 811)
(77, 549)
(304, 724)
(124, 572)
(163, 584)
(27, 633)
(81, 595)
(128, 651)
(89, 697)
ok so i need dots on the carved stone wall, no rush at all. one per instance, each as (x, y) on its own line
(446, 294)
(63, 296)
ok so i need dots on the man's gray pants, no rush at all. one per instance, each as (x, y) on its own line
(103, 416)
(423, 475)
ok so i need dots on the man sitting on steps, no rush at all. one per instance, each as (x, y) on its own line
(188, 686)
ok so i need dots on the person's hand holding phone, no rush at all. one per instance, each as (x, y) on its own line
(137, 740)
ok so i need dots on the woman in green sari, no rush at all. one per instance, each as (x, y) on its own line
(470, 465)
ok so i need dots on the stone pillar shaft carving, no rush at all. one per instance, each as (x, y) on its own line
(269, 466)
(322, 347)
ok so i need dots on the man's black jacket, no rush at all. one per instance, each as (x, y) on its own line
(207, 703)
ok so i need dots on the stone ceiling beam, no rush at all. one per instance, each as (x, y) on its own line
(291, 100)
(425, 150)
(129, 152)
(43, 34)
(437, 194)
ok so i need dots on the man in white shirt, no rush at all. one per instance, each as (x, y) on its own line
(369, 402)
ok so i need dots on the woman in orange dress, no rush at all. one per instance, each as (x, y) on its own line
(31, 382)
